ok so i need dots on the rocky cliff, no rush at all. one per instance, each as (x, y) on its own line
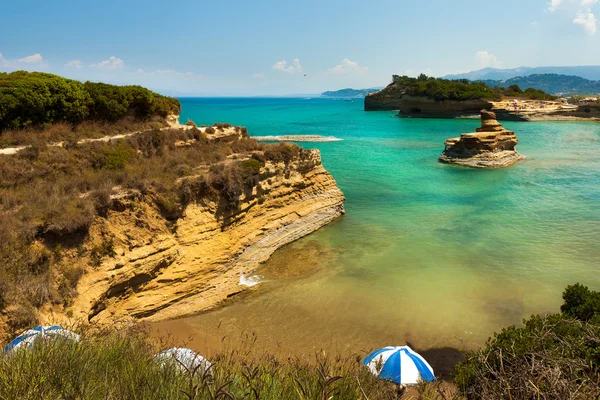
(387, 99)
(161, 270)
(424, 107)
(491, 146)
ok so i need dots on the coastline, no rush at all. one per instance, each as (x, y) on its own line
(159, 275)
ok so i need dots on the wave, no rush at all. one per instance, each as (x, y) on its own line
(297, 138)
(250, 280)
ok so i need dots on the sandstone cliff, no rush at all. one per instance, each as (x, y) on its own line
(161, 271)
(491, 146)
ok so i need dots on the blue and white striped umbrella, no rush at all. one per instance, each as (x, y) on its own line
(399, 364)
(28, 337)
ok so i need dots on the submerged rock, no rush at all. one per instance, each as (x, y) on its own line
(491, 146)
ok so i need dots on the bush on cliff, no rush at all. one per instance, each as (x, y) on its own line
(29, 99)
(554, 357)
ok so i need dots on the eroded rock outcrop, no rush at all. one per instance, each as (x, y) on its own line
(491, 146)
(162, 271)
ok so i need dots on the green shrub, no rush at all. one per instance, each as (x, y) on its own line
(37, 99)
(581, 303)
(114, 157)
(553, 356)
(282, 152)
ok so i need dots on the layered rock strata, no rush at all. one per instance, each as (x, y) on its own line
(491, 146)
(162, 271)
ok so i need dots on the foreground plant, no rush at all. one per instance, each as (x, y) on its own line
(552, 357)
(121, 365)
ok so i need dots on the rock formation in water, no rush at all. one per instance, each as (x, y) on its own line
(491, 146)
(162, 271)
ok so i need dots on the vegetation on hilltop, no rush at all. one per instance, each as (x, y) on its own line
(51, 195)
(551, 83)
(37, 99)
(442, 89)
(460, 90)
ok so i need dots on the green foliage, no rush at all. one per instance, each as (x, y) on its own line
(581, 303)
(37, 99)
(114, 157)
(463, 89)
(442, 89)
(552, 356)
(250, 167)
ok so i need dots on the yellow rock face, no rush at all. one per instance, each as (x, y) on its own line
(491, 146)
(161, 272)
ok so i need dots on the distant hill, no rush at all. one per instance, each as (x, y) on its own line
(350, 93)
(591, 72)
(550, 83)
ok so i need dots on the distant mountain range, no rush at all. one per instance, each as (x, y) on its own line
(591, 72)
(350, 93)
(550, 83)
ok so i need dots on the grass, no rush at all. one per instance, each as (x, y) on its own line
(119, 364)
(70, 133)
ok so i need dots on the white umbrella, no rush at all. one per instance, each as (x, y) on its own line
(185, 359)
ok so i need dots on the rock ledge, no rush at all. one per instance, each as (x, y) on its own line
(491, 146)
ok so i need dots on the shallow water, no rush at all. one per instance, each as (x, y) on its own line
(428, 253)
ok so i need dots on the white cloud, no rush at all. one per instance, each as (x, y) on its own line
(34, 59)
(140, 71)
(258, 75)
(294, 67)
(349, 67)
(112, 63)
(587, 20)
(74, 64)
(587, 3)
(486, 59)
(34, 62)
(554, 5)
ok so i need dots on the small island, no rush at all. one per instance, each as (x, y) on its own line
(491, 146)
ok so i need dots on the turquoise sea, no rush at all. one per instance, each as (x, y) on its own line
(428, 253)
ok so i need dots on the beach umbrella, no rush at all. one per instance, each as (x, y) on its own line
(399, 364)
(185, 359)
(30, 336)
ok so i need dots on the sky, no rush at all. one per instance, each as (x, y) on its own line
(268, 47)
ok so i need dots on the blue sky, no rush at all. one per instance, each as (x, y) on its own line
(265, 47)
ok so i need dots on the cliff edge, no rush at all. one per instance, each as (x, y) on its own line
(161, 272)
